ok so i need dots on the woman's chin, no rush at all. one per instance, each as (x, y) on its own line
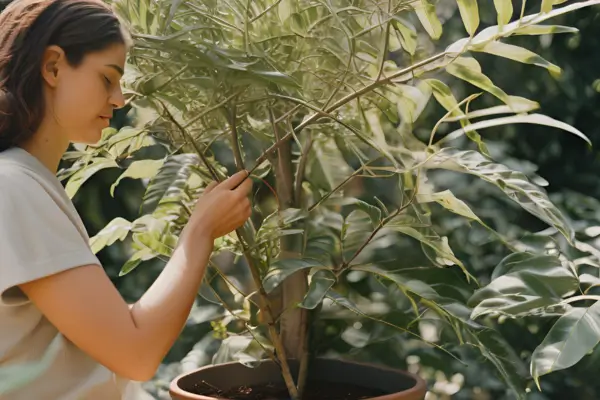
(91, 138)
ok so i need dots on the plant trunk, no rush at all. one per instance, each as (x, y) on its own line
(293, 319)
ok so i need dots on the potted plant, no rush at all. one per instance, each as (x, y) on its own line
(325, 103)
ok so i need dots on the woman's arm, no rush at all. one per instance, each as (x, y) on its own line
(132, 340)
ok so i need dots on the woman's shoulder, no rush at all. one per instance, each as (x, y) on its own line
(22, 175)
(17, 181)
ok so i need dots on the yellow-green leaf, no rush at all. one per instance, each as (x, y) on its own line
(136, 259)
(117, 229)
(284, 9)
(535, 30)
(468, 69)
(283, 268)
(518, 105)
(537, 119)
(444, 96)
(518, 53)
(469, 12)
(547, 5)
(141, 169)
(504, 9)
(450, 202)
(407, 35)
(426, 13)
(86, 173)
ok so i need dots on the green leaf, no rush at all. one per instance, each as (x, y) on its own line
(356, 229)
(136, 259)
(276, 77)
(495, 110)
(447, 200)
(373, 212)
(161, 243)
(443, 94)
(284, 9)
(81, 176)
(519, 54)
(514, 184)
(171, 176)
(499, 352)
(530, 20)
(406, 284)
(547, 6)
(469, 12)
(117, 229)
(285, 267)
(328, 168)
(544, 30)
(523, 282)
(140, 169)
(575, 334)
(536, 119)
(344, 302)
(412, 227)
(426, 13)
(408, 34)
(320, 284)
(468, 69)
(127, 141)
(588, 282)
(504, 9)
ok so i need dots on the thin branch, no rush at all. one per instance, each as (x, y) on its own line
(186, 135)
(311, 119)
(380, 226)
(266, 10)
(268, 351)
(213, 108)
(235, 140)
(342, 184)
(386, 43)
(301, 170)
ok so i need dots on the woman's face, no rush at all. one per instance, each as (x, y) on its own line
(80, 100)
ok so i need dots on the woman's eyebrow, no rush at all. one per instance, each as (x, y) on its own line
(116, 67)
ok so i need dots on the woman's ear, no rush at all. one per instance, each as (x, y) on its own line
(52, 61)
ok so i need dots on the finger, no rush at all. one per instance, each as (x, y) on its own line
(245, 187)
(234, 180)
(210, 187)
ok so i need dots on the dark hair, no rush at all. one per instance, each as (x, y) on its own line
(27, 28)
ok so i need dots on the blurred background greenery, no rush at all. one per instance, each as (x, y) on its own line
(571, 168)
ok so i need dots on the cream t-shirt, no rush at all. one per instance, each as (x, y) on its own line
(42, 234)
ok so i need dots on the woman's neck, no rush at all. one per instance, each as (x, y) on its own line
(48, 146)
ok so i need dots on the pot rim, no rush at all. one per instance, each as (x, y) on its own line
(419, 386)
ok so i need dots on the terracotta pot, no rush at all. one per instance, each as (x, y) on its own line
(402, 385)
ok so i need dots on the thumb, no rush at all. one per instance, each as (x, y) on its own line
(234, 180)
(210, 187)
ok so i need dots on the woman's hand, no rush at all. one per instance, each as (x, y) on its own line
(221, 209)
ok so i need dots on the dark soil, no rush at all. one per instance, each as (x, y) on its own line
(314, 391)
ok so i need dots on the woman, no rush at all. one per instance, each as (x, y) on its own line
(65, 332)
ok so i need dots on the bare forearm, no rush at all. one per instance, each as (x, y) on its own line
(161, 313)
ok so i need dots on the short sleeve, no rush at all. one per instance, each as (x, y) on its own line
(37, 236)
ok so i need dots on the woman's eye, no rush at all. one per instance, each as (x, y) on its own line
(107, 81)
